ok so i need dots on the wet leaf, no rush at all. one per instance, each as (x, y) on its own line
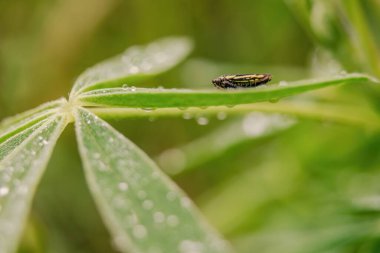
(143, 209)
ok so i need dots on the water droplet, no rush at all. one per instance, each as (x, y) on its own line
(123, 186)
(148, 109)
(221, 115)
(343, 73)
(125, 86)
(171, 196)
(185, 201)
(132, 219)
(4, 191)
(188, 246)
(133, 88)
(172, 220)
(147, 204)
(139, 231)
(133, 69)
(187, 115)
(202, 121)
(274, 100)
(158, 217)
(119, 202)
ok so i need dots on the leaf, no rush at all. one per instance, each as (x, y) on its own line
(143, 209)
(358, 116)
(13, 125)
(252, 127)
(13, 142)
(163, 98)
(20, 172)
(135, 63)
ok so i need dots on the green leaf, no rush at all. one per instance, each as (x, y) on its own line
(252, 127)
(11, 143)
(20, 172)
(13, 125)
(356, 116)
(135, 63)
(163, 98)
(144, 210)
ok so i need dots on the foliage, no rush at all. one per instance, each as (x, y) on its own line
(311, 188)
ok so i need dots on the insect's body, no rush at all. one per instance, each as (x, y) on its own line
(241, 80)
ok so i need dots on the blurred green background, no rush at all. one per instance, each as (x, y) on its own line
(312, 187)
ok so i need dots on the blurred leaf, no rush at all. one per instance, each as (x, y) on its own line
(143, 209)
(20, 172)
(253, 126)
(163, 98)
(313, 240)
(135, 63)
(364, 39)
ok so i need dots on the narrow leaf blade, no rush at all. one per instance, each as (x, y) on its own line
(20, 172)
(135, 63)
(164, 98)
(143, 209)
(15, 124)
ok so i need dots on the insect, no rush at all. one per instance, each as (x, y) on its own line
(241, 80)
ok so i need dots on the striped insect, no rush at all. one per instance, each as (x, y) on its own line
(241, 81)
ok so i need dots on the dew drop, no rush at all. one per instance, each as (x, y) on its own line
(274, 100)
(185, 201)
(4, 191)
(202, 121)
(139, 231)
(171, 196)
(123, 186)
(158, 217)
(133, 69)
(343, 73)
(187, 115)
(147, 204)
(188, 246)
(221, 115)
(172, 220)
(148, 109)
